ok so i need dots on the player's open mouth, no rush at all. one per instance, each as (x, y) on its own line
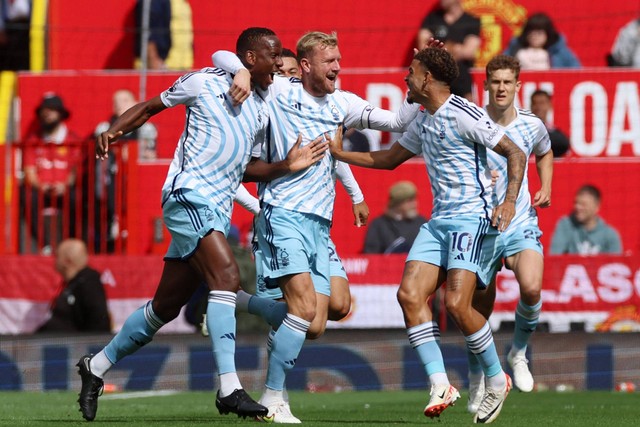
(332, 77)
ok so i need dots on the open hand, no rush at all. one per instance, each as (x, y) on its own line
(300, 158)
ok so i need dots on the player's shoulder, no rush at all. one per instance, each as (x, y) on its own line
(528, 117)
(465, 108)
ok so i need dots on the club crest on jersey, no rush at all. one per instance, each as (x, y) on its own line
(442, 130)
(335, 113)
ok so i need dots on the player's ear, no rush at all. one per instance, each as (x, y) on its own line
(304, 64)
(250, 57)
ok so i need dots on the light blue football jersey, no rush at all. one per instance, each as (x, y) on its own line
(454, 142)
(529, 133)
(293, 112)
(218, 138)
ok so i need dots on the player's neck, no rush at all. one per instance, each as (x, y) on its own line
(502, 116)
(434, 99)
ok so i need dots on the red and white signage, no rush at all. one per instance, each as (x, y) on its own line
(603, 293)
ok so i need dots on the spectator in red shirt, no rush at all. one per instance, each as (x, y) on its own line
(51, 157)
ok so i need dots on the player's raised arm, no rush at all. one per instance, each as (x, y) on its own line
(129, 121)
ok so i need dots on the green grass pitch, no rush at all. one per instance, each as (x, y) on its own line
(352, 409)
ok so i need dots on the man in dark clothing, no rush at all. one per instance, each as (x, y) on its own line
(397, 228)
(460, 33)
(81, 305)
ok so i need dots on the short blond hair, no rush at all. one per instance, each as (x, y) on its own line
(315, 38)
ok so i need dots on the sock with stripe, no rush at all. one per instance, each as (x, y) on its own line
(527, 317)
(272, 311)
(425, 340)
(221, 322)
(137, 331)
(285, 347)
(482, 346)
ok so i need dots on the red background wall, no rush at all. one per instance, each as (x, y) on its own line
(373, 33)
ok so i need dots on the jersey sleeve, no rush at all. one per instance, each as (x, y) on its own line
(226, 60)
(345, 176)
(362, 115)
(185, 90)
(247, 200)
(476, 126)
(542, 144)
(411, 138)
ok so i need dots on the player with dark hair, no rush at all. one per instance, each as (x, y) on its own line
(197, 200)
(458, 243)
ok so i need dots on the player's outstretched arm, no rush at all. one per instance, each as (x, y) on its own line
(516, 163)
(129, 121)
(544, 164)
(297, 159)
(383, 159)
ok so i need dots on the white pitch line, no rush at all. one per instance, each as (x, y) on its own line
(137, 394)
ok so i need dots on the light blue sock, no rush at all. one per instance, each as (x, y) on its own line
(424, 338)
(526, 321)
(474, 364)
(285, 348)
(137, 331)
(481, 344)
(270, 310)
(221, 322)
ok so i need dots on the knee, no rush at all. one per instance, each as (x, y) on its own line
(408, 298)
(530, 295)
(227, 279)
(339, 310)
(455, 306)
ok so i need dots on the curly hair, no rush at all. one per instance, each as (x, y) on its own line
(312, 39)
(251, 38)
(440, 63)
(503, 62)
(539, 21)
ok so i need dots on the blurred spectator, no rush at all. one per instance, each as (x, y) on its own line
(584, 232)
(15, 16)
(81, 304)
(159, 41)
(106, 171)
(541, 47)
(395, 230)
(626, 48)
(460, 33)
(181, 52)
(51, 157)
(541, 106)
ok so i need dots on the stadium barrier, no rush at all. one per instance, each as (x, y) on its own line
(341, 360)
(595, 294)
